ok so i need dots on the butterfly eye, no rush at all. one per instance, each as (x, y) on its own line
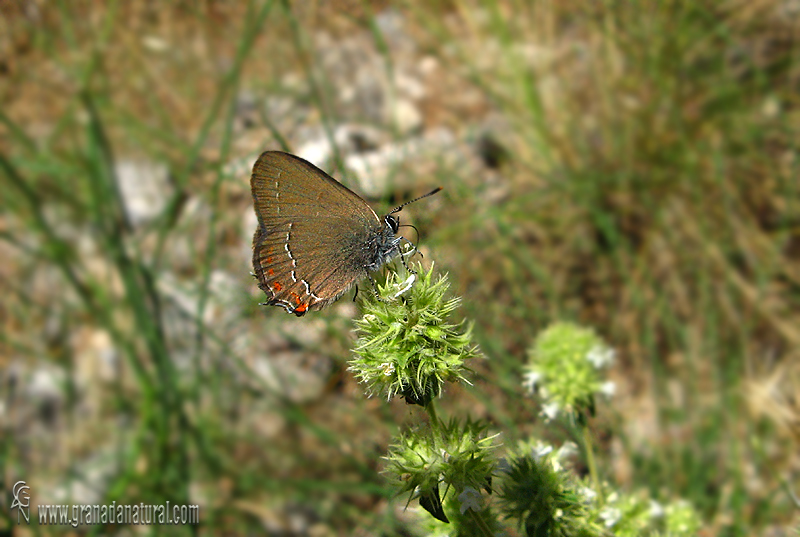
(393, 222)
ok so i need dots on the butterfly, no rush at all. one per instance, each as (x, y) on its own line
(315, 238)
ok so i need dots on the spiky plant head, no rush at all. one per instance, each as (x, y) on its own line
(407, 343)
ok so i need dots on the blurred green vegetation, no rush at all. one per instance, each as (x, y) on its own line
(640, 177)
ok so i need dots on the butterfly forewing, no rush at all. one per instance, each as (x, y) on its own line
(290, 188)
(309, 246)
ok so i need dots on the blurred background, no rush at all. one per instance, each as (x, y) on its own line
(631, 166)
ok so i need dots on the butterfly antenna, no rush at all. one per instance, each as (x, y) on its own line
(412, 227)
(431, 193)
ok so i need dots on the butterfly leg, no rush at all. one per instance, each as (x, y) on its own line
(410, 252)
(375, 288)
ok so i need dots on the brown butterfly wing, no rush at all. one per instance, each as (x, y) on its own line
(313, 237)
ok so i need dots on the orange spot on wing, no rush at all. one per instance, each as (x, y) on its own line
(269, 259)
(301, 308)
(277, 286)
(270, 272)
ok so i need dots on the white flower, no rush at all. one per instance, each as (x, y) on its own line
(656, 509)
(541, 450)
(470, 499)
(588, 493)
(608, 388)
(550, 411)
(610, 515)
(567, 450)
(601, 356)
(405, 286)
(530, 380)
(388, 368)
(557, 467)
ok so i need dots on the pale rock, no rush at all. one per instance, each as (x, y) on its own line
(406, 117)
(297, 375)
(145, 188)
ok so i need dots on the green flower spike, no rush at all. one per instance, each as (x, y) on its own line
(637, 514)
(457, 456)
(406, 345)
(565, 368)
(545, 497)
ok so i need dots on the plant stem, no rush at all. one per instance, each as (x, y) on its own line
(433, 418)
(480, 523)
(587, 444)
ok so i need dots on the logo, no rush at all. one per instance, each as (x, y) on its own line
(22, 501)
